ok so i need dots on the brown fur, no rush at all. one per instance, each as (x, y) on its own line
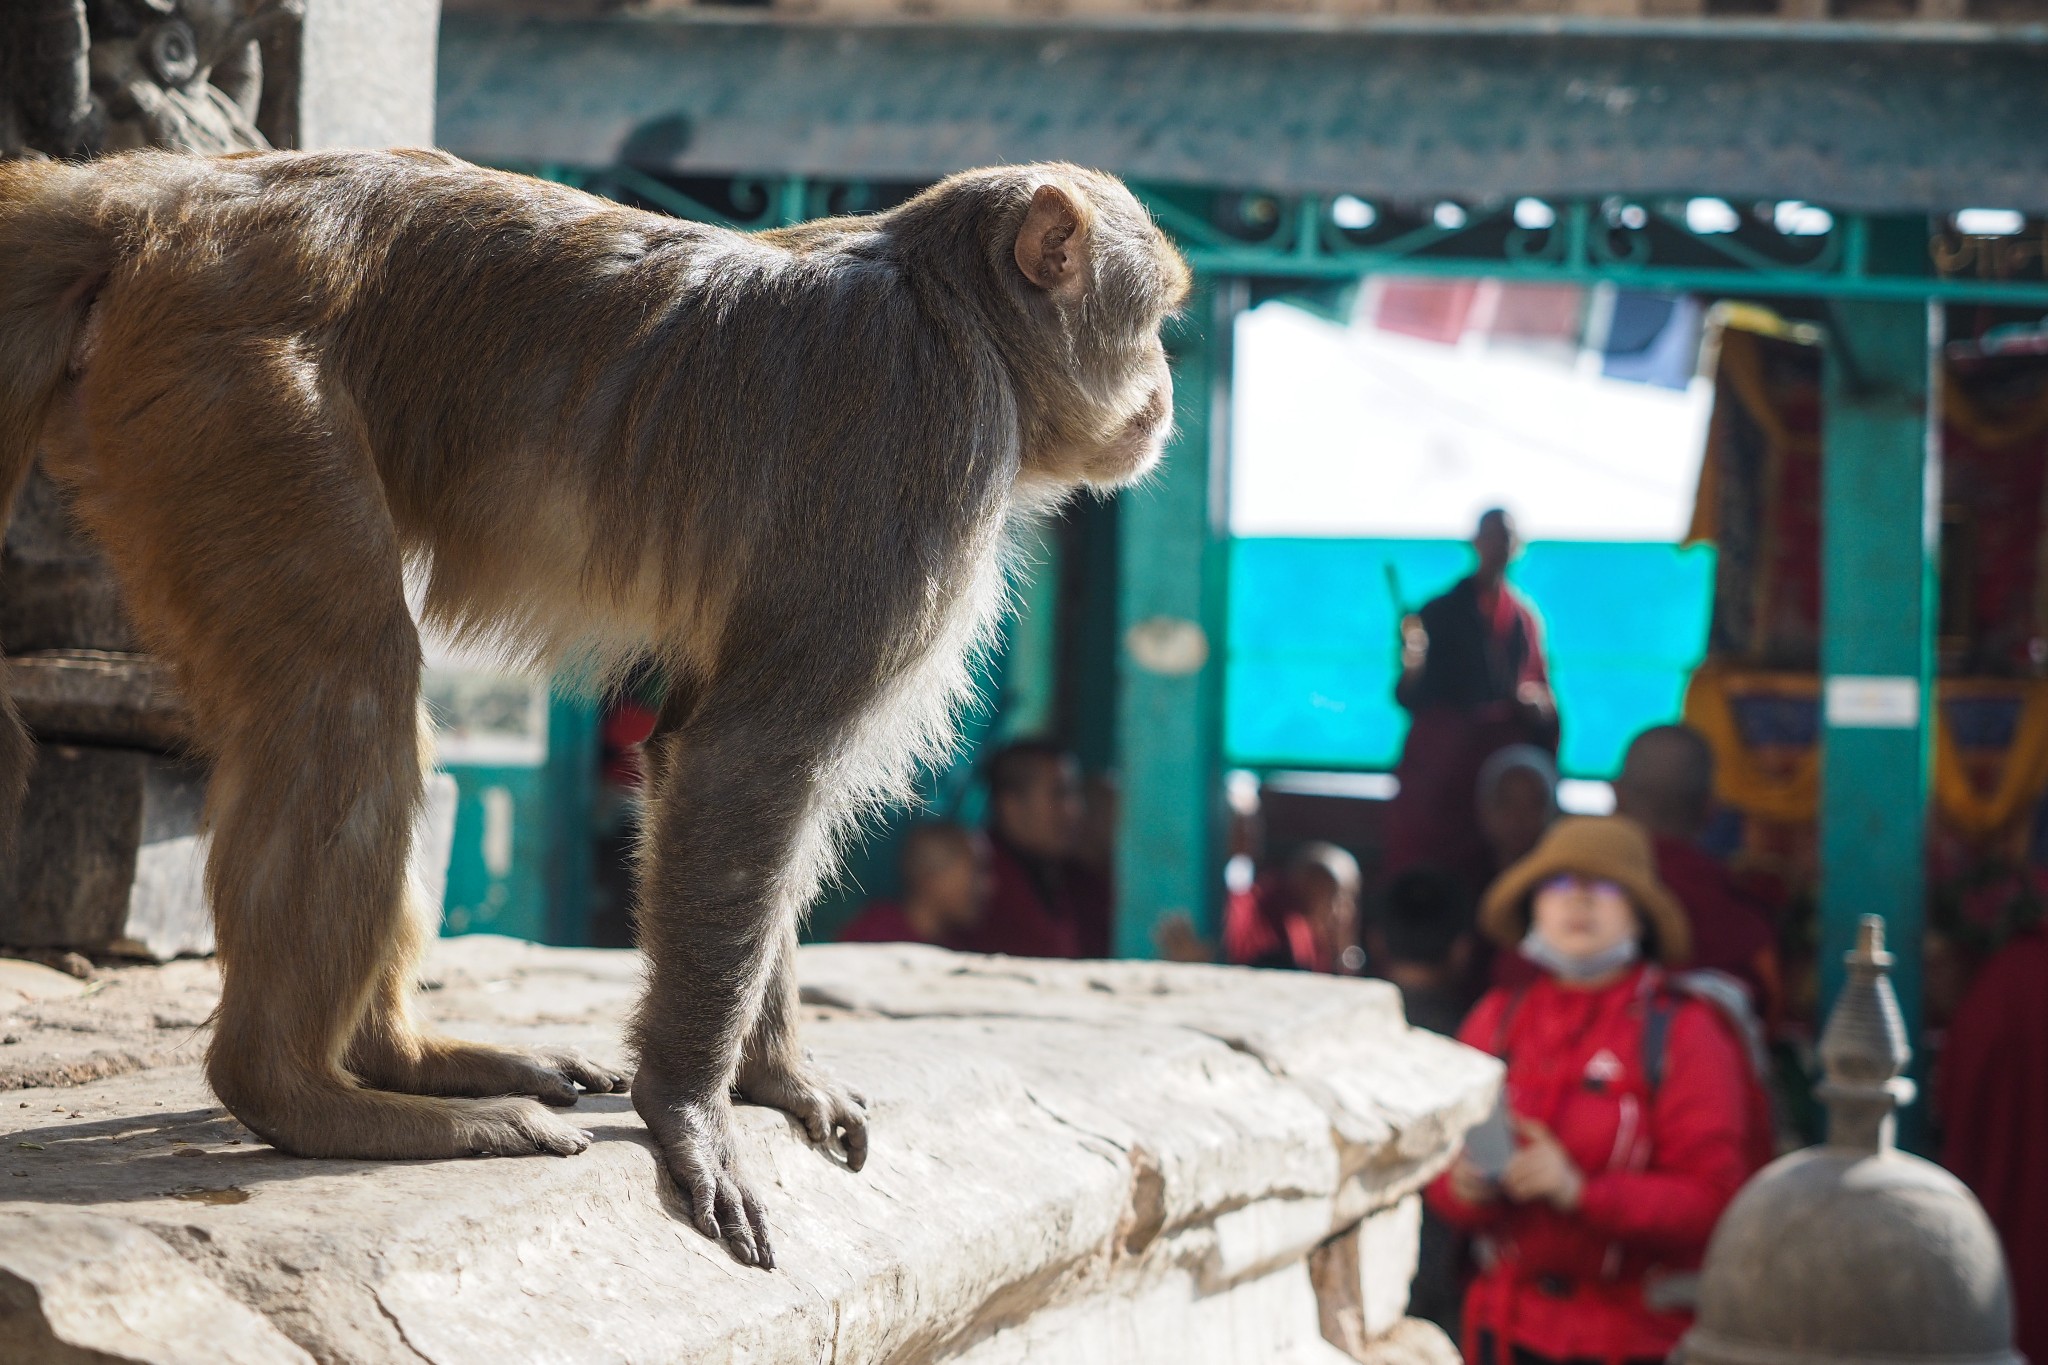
(782, 465)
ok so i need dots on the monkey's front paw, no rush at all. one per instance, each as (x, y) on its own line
(827, 1109)
(695, 1140)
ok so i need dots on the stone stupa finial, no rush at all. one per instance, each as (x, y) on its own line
(1854, 1252)
(1864, 1050)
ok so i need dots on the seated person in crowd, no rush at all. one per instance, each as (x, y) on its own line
(1627, 1141)
(1667, 786)
(1425, 942)
(945, 890)
(1303, 916)
(1044, 900)
(1517, 801)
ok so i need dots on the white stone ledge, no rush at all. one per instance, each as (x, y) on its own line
(1071, 1161)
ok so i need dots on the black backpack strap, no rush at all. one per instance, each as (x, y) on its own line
(1656, 1033)
(1507, 1019)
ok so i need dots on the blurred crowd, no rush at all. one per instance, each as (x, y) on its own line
(1626, 976)
(1034, 883)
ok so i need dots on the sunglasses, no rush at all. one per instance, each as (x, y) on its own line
(1588, 886)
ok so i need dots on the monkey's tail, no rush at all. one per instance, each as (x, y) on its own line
(52, 257)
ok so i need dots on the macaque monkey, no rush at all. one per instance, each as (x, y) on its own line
(782, 465)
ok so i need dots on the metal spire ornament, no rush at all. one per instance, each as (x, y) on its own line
(1854, 1251)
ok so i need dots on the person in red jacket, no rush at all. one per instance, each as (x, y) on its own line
(1629, 1105)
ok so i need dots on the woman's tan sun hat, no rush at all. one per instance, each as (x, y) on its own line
(1606, 847)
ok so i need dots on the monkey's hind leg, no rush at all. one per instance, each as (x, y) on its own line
(256, 551)
(310, 827)
(391, 1052)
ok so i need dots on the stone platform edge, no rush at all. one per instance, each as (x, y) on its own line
(1072, 1162)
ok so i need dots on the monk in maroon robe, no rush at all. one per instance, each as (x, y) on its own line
(1993, 1088)
(1045, 900)
(945, 876)
(1474, 680)
(1301, 917)
(1667, 786)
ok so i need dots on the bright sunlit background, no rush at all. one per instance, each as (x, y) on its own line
(1366, 446)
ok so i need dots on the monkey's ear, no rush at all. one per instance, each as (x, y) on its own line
(1050, 243)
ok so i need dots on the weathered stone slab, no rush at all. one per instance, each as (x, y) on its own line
(77, 1288)
(1362, 1276)
(127, 1018)
(109, 855)
(1388, 1117)
(1099, 1178)
(32, 983)
(112, 854)
(55, 590)
(366, 73)
(98, 697)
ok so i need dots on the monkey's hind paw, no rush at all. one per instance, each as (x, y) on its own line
(445, 1066)
(519, 1127)
(828, 1110)
(574, 1069)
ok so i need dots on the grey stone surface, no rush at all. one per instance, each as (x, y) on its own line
(366, 73)
(1071, 1162)
(31, 983)
(78, 1288)
(55, 590)
(107, 859)
(112, 854)
(125, 1019)
(94, 696)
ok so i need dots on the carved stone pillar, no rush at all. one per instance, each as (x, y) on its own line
(109, 845)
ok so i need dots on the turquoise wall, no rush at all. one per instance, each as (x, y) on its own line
(543, 891)
(1314, 644)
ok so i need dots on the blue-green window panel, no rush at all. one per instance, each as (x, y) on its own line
(1313, 648)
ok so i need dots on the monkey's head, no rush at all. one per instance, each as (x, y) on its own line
(1078, 281)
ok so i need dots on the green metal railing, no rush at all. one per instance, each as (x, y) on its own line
(1674, 243)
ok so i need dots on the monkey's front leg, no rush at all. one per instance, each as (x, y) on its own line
(776, 1071)
(730, 860)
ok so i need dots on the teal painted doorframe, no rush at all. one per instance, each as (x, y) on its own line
(1169, 669)
(1880, 522)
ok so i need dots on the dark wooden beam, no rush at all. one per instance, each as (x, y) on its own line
(1884, 118)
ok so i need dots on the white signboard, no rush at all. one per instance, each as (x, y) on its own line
(1872, 703)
